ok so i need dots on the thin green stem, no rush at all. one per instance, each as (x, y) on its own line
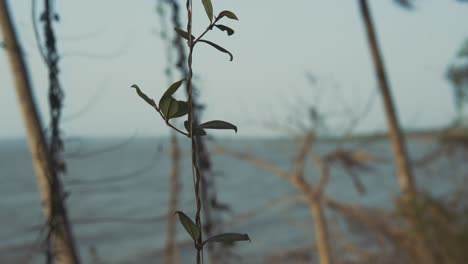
(169, 124)
(204, 32)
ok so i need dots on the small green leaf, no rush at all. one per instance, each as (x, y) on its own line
(167, 104)
(171, 90)
(144, 96)
(169, 107)
(196, 131)
(227, 14)
(183, 34)
(228, 30)
(189, 225)
(182, 109)
(218, 124)
(216, 46)
(228, 238)
(209, 9)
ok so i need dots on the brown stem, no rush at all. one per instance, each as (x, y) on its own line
(314, 201)
(49, 184)
(169, 124)
(321, 231)
(397, 140)
(195, 170)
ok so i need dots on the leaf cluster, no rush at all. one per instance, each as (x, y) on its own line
(213, 24)
(194, 231)
(169, 108)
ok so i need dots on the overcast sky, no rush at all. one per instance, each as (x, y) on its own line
(109, 45)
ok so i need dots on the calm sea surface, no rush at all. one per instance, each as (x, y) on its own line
(119, 192)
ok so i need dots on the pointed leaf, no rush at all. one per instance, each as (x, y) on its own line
(182, 109)
(216, 46)
(170, 91)
(189, 225)
(227, 14)
(209, 9)
(228, 30)
(169, 107)
(228, 238)
(183, 34)
(196, 131)
(144, 96)
(167, 104)
(218, 124)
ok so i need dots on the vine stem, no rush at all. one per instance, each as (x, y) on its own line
(204, 32)
(195, 170)
(169, 124)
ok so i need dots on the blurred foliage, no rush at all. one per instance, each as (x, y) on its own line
(443, 223)
(457, 73)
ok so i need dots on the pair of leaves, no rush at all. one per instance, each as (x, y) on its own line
(209, 12)
(215, 124)
(222, 27)
(194, 232)
(171, 107)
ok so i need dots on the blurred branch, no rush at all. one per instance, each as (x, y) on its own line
(97, 95)
(255, 161)
(89, 154)
(114, 179)
(36, 32)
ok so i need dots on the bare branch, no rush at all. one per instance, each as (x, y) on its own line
(255, 161)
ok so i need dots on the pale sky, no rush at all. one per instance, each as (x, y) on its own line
(275, 44)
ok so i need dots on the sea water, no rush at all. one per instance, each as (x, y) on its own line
(119, 193)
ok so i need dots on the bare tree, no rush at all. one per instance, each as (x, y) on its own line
(312, 194)
(49, 184)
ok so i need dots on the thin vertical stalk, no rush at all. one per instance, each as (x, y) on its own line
(314, 197)
(397, 140)
(207, 180)
(314, 202)
(49, 185)
(195, 170)
(171, 254)
(321, 230)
